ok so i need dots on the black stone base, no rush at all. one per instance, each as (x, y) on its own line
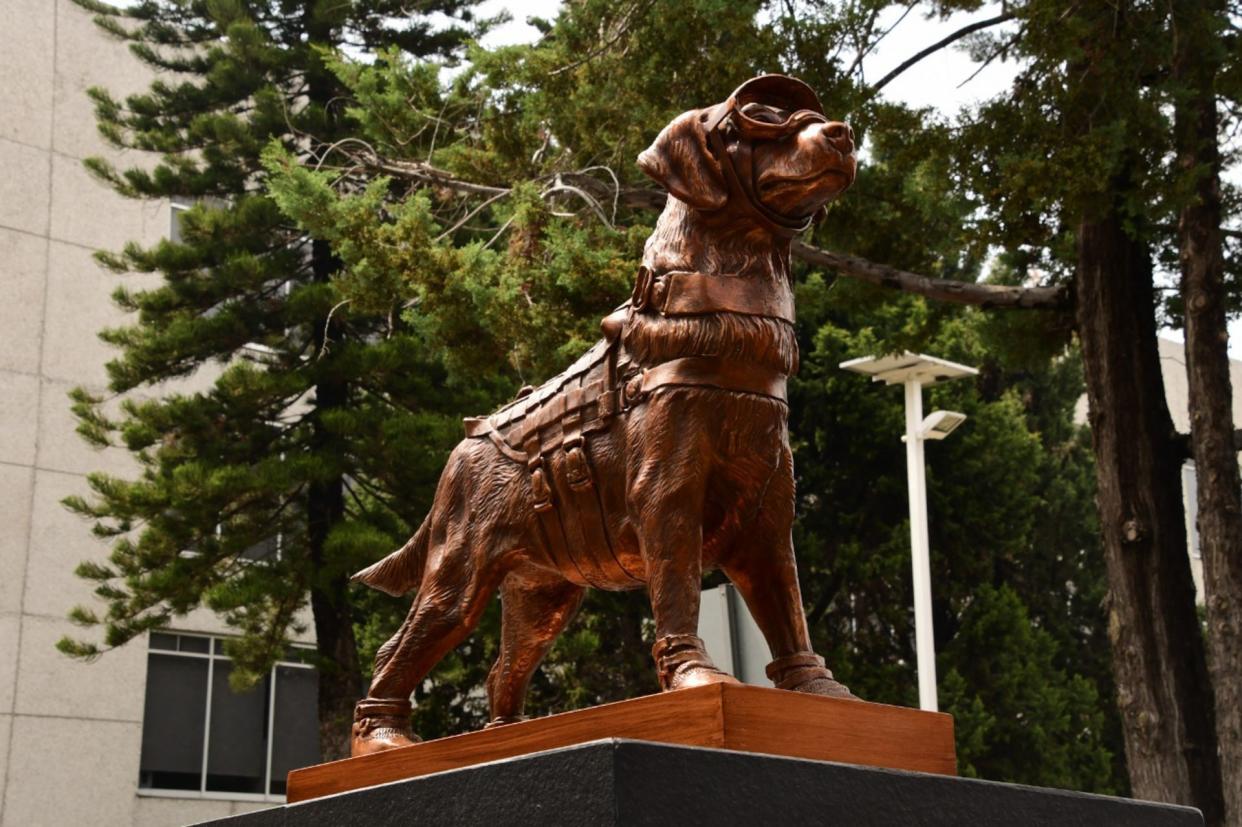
(617, 782)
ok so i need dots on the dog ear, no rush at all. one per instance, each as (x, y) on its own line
(680, 161)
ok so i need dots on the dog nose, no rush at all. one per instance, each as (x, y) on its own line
(840, 136)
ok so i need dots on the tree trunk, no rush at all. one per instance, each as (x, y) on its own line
(340, 676)
(1196, 60)
(1157, 647)
(340, 682)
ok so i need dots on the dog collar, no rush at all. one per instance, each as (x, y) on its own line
(680, 293)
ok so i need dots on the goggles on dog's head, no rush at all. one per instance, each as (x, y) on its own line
(755, 108)
(764, 108)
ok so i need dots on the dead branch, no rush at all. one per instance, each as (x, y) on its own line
(958, 292)
(940, 44)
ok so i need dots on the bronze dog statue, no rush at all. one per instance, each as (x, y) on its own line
(662, 452)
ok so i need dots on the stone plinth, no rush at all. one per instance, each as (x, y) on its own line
(619, 782)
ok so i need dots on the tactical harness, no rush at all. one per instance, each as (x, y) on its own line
(546, 428)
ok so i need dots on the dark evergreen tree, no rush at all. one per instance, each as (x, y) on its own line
(274, 484)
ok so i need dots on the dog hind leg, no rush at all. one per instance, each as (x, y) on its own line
(532, 616)
(447, 609)
(465, 540)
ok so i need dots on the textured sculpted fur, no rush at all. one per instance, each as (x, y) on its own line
(675, 246)
(685, 478)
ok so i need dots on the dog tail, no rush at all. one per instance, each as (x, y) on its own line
(402, 571)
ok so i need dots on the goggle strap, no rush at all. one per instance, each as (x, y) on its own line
(784, 226)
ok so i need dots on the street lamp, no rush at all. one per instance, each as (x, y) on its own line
(916, 371)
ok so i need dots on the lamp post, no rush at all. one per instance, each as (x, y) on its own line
(915, 371)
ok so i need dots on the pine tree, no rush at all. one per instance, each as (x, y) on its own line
(277, 481)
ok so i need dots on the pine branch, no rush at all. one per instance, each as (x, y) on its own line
(622, 29)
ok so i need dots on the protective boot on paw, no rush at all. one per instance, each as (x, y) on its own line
(683, 662)
(805, 672)
(381, 724)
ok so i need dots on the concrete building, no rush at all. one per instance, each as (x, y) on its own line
(1176, 390)
(1177, 394)
(72, 747)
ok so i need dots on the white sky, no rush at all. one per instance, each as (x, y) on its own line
(932, 82)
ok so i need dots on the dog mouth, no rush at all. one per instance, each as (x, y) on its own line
(841, 171)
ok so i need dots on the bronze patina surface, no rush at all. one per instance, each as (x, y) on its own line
(662, 452)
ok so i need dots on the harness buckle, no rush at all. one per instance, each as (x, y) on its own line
(541, 493)
(577, 473)
(642, 286)
(631, 391)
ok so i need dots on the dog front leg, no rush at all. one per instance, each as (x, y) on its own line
(671, 543)
(666, 498)
(762, 566)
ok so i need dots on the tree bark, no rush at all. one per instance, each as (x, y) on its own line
(1157, 647)
(1196, 61)
(340, 675)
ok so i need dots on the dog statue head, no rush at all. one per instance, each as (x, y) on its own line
(767, 153)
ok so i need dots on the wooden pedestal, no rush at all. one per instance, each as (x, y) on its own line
(745, 718)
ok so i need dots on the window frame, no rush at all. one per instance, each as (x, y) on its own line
(214, 653)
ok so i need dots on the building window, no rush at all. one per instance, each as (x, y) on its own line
(269, 550)
(200, 738)
(175, 213)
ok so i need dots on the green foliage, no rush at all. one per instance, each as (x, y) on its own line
(1011, 700)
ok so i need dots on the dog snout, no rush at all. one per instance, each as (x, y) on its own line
(840, 136)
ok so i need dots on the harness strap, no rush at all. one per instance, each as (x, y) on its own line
(549, 518)
(582, 512)
(710, 372)
(693, 294)
(481, 426)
